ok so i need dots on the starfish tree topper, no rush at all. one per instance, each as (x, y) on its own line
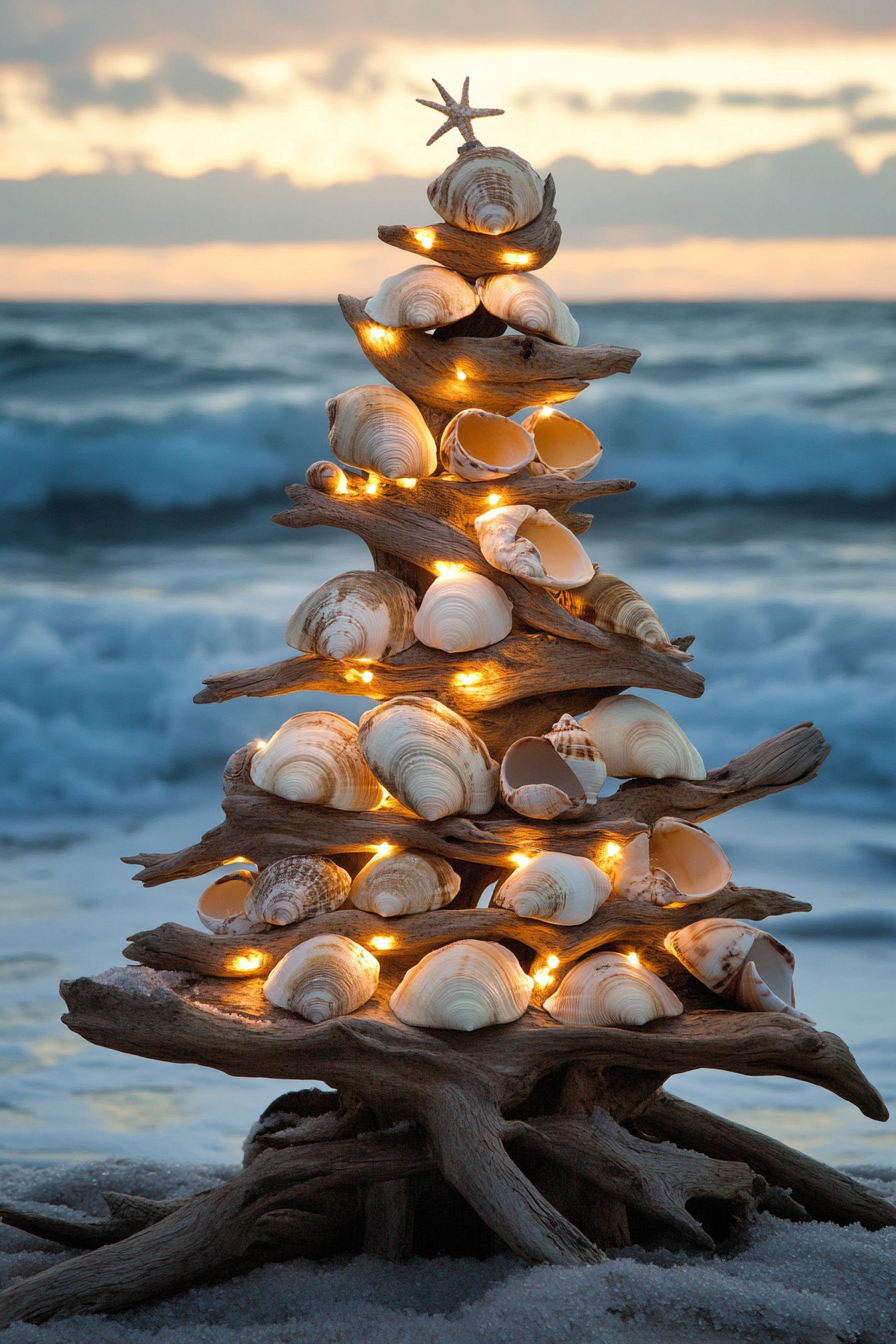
(459, 114)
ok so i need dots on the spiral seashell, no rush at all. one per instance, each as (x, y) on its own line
(528, 305)
(606, 990)
(327, 477)
(675, 864)
(315, 758)
(563, 446)
(530, 544)
(422, 297)
(428, 757)
(536, 781)
(360, 614)
(405, 883)
(612, 604)
(739, 963)
(555, 888)
(296, 888)
(579, 750)
(635, 737)
(487, 191)
(325, 977)
(222, 905)
(479, 446)
(380, 429)
(463, 611)
(463, 987)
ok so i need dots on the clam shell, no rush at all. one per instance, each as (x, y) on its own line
(579, 750)
(360, 614)
(635, 737)
(464, 611)
(563, 446)
(487, 191)
(315, 758)
(325, 977)
(530, 544)
(536, 782)
(222, 905)
(528, 305)
(612, 604)
(555, 888)
(428, 757)
(479, 446)
(422, 297)
(296, 888)
(606, 990)
(404, 883)
(381, 430)
(739, 963)
(463, 987)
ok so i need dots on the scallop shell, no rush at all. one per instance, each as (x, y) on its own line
(579, 751)
(635, 737)
(563, 446)
(360, 614)
(316, 758)
(479, 446)
(739, 963)
(325, 977)
(487, 191)
(463, 987)
(606, 990)
(463, 611)
(528, 305)
(422, 297)
(222, 905)
(612, 604)
(555, 888)
(296, 888)
(405, 883)
(428, 757)
(530, 544)
(536, 781)
(381, 430)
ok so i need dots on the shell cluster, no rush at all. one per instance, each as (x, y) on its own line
(296, 888)
(536, 781)
(380, 429)
(359, 614)
(738, 962)
(408, 882)
(530, 544)
(325, 977)
(614, 605)
(487, 191)
(555, 888)
(465, 986)
(422, 297)
(528, 305)
(479, 446)
(316, 758)
(465, 611)
(563, 446)
(607, 990)
(677, 863)
(637, 738)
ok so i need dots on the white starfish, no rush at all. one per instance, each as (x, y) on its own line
(459, 114)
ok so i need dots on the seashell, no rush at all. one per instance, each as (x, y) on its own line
(222, 905)
(423, 297)
(606, 990)
(739, 963)
(528, 305)
(555, 888)
(612, 604)
(479, 446)
(636, 737)
(359, 614)
(405, 883)
(675, 863)
(563, 446)
(536, 781)
(487, 191)
(428, 757)
(463, 611)
(530, 544)
(463, 987)
(380, 429)
(315, 758)
(327, 477)
(296, 888)
(327, 976)
(579, 750)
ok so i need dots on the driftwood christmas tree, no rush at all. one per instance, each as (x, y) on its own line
(466, 1116)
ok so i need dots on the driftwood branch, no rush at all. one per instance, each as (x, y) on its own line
(129, 1214)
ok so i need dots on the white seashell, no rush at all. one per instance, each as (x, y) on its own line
(635, 737)
(528, 305)
(463, 987)
(325, 977)
(422, 297)
(676, 863)
(579, 750)
(405, 883)
(315, 758)
(487, 191)
(380, 429)
(530, 544)
(296, 888)
(738, 962)
(606, 990)
(428, 757)
(536, 782)
(612, 604)
(479, 446)
(360, 614)
(327, 477)
(563, 446)
(463, 611)
(555, 888)
(222, 905)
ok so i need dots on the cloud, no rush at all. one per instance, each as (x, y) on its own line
(179, 75)
(847, 96)
(659, 103)
(345, 70)
(874, 126)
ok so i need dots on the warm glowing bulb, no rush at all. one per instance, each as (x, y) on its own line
(249, 963)
(240, 858)
(377, 333)
(342, 484)
(371, 487)
(259, 744)
(382, 944)
(520, 860)
(461, 376)
(545, 412)
(613, 849)
(447, 568)
(517, 258)
(494, 499)
(543, 978)
(384, 848)
(407, 482)
(425, 237)
(468, 678)
(367, 676)
(553, 962)
(633, 958)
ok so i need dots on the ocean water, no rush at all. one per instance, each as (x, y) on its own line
(143, 450)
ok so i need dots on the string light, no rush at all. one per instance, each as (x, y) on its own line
(367, 676)
(382, 944)
(494, 499)
(468, 678)
(448, 568)
(543, 978)
(371, 487)
(380, 335)
(517, 258)
(384, 848)
(634, 959)
(553, 962)
(520, 859)
(545, 412)
(240, 858)
(406, 482)
(342, 484)
(461, 376)
(248, 963)
(425, 237)
(613, 849)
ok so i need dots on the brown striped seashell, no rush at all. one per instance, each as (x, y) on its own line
(296, 888)
(637, 738)
(460, 612)
(608, 990)
(422, 297)
(536, 782)
(316, 758)
(555, 888)
(677, 863)
(327, 477)
(563, 446)
(528, 305)
(738, 962)
(328, 976)
(380, 429)
(612, 604)
(487, 191)
(361, 614)
(579, 750)
(464, 986)
(530, 544)
(406, 882)
(222, 905)
(479, 446)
